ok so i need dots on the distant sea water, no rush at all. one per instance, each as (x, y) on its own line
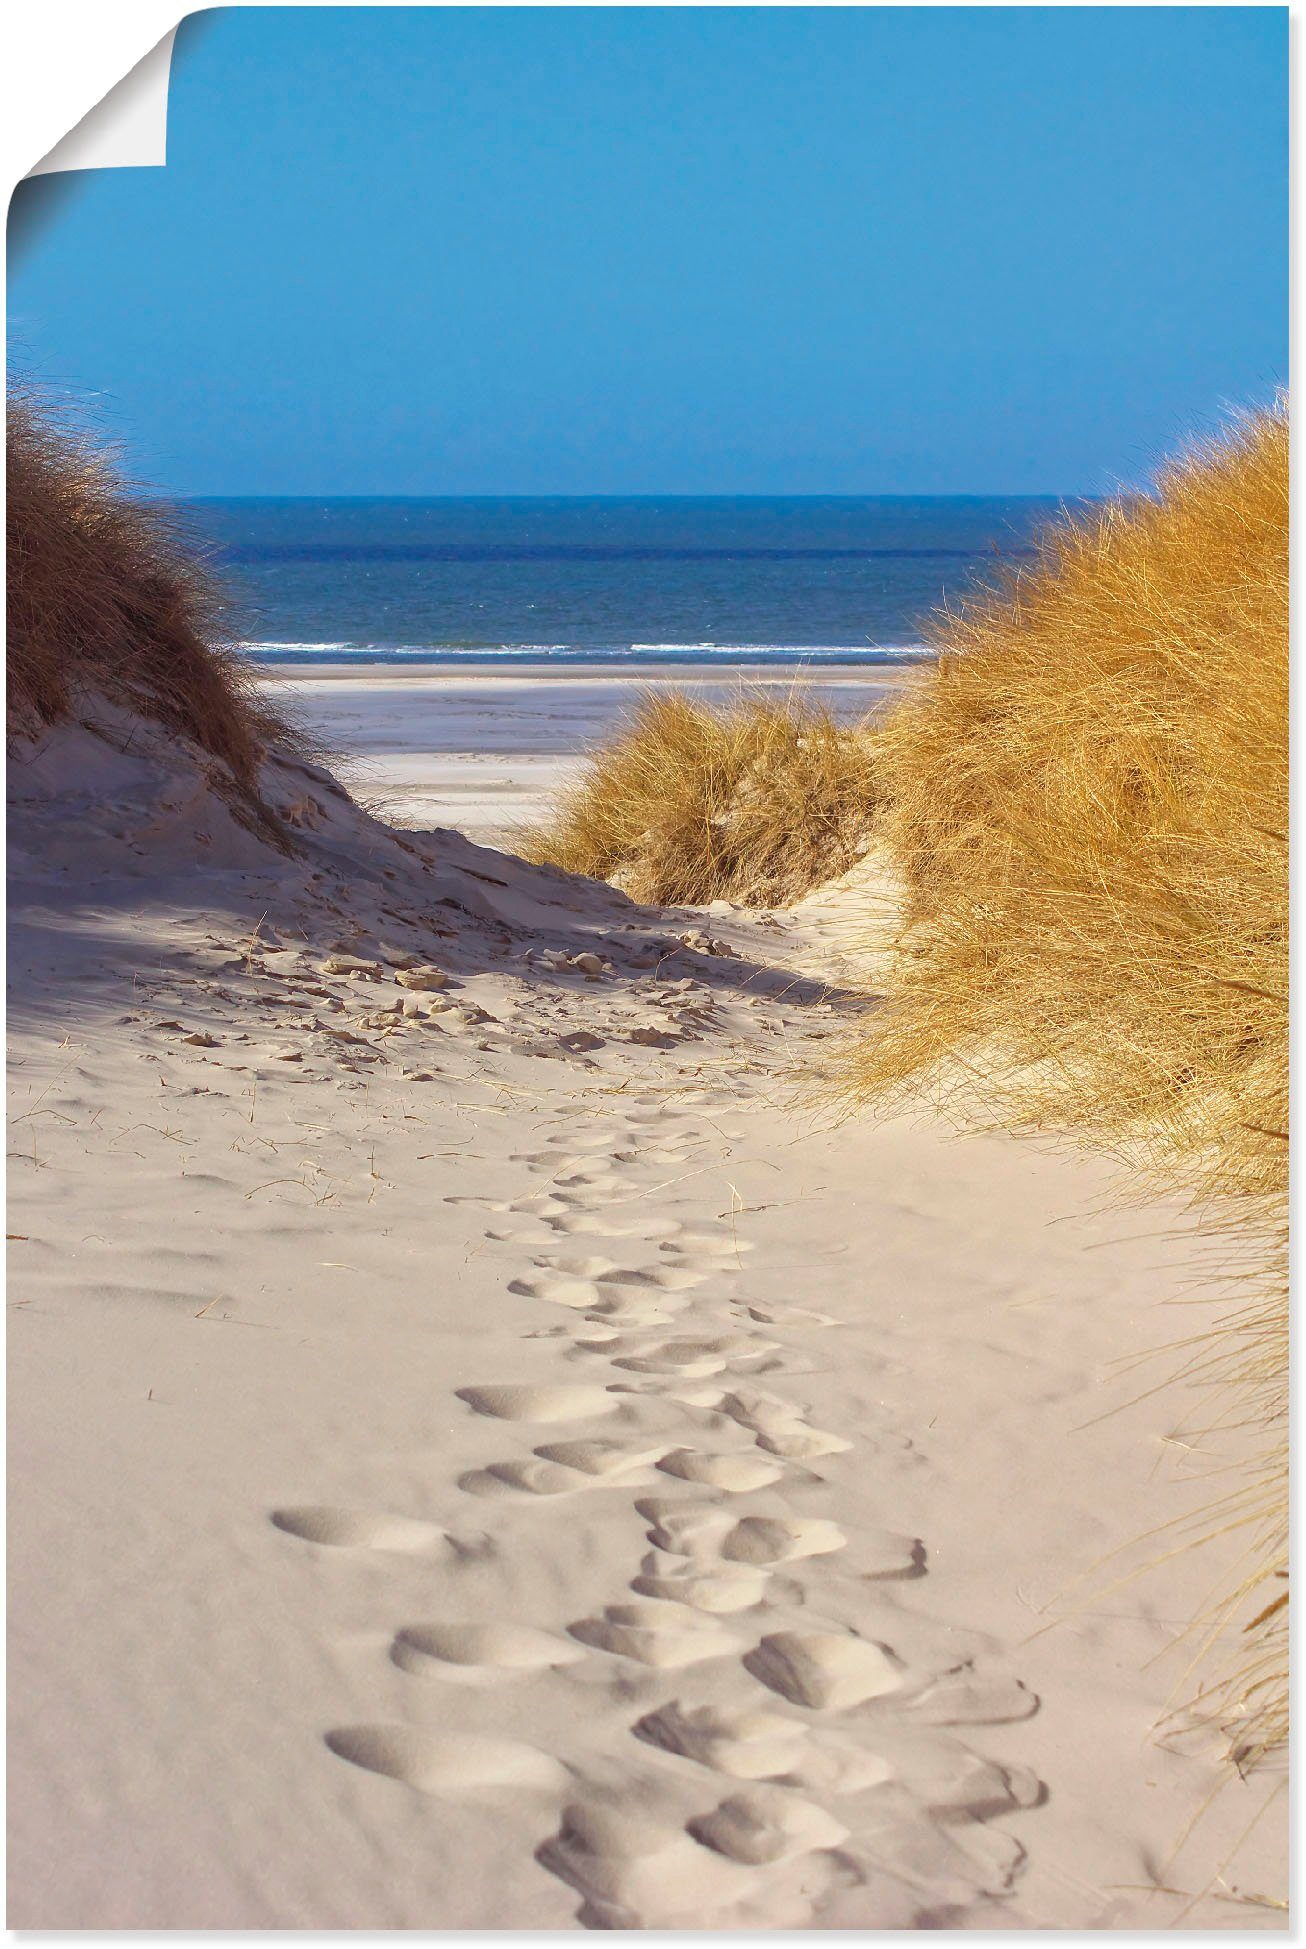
(580, 581)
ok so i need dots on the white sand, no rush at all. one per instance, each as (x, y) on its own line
(508, 1466)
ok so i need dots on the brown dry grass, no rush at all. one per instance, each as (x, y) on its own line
(1089, 807)
(109, 595)
(755, 801)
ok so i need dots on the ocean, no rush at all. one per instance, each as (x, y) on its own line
(577, 581)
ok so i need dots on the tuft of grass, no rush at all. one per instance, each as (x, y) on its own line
(109, 596)
(755, 801)
(1088, 804)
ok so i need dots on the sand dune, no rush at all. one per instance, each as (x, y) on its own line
(486, 1456)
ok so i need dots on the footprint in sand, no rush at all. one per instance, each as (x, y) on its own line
(559, 1290)
(632, 1302)
(823, 1670)
(452, 1766)
(707, 1245)
(768, 1313)
(799, 1443)
(692, 1530)
(780, 1539)
(947, 1778)
(954, 1861)
(486, 1651)
(562, 1468)
(358, 1529)
(601, 1336)
(962, 1699)
(630, 1225)
(663, 1279)
(589, 1180)
(617, 1323)
(635, 1327)
(689, 1366)
(537, 1234)
(778, 1427)
(767, 1825)
(694, 1394)
(635, 1872)
(694, 1357)
(643, 1858)
(996, 1857)
(527, 1478)
(522, 1403)
(743, 1745)
(611, 1313)
(834, 1766)
(608, 1272)
(638, 1316)
(577, 1268)
(730, 1588)
(600, 1458)
(655, 1634)
(543, 1204)
(736, 1474)
(685, 1528)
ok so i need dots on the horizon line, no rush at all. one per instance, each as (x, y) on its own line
(968, 494)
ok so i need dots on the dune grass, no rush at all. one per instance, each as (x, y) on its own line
(109, 597)
(1085, 803)
(1087, 800)
(754, 801)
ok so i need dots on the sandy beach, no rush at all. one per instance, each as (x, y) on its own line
(497, 1456)
(484, 750)
(648, 948)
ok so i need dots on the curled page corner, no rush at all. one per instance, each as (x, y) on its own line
(128, 129)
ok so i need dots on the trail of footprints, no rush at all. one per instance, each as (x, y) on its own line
(840, 1767)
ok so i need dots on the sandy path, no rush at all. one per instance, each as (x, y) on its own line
(504, 1465)
(738, 1598)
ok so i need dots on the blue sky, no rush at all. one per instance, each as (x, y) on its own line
(680, 250)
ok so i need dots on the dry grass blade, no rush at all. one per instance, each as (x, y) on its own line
(1087, 802)
(109, 596)
(756, 801)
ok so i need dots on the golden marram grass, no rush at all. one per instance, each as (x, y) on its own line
(109, 598)
(1085, 801)
(755, 802)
